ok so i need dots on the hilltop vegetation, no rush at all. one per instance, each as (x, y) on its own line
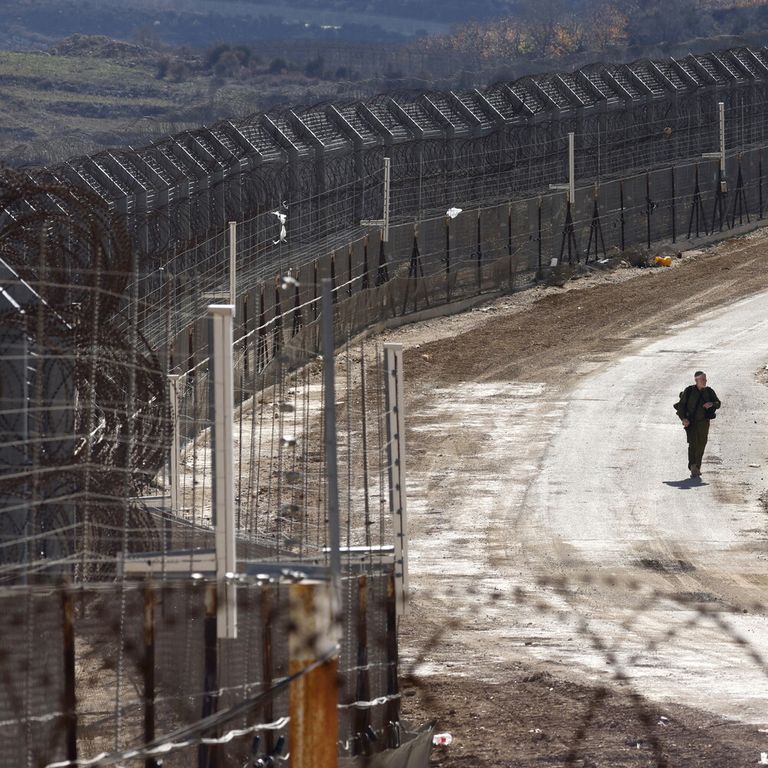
(192, 23)
(556, 28)
(91, 93)
(208, 60)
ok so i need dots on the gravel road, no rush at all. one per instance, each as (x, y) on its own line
(551, 513)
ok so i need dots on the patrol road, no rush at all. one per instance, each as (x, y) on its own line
(557, 517)
(613, 495)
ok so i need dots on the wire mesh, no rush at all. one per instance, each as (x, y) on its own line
(91, 328)
(148, 664)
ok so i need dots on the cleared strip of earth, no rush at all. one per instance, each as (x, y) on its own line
(571, 592)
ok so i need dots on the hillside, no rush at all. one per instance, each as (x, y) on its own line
(91, 93)
(196, 23)
(133, 71)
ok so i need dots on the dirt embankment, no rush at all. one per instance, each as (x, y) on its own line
(545, 335)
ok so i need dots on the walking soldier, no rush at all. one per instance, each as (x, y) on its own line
(696, 408)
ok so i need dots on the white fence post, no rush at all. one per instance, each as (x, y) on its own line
(173, 384)
(720, 154)
(387, 186)
(221, 381)
(721, 115)
(233, 263)
(383, 222)
(395, 403)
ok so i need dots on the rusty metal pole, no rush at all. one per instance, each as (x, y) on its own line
(313, 707)
(267, 668)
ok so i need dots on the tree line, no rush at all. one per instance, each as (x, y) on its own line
(554, 28)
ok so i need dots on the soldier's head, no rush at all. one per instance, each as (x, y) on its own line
(701, 379)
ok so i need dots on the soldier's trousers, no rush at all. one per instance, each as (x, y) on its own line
(697, 442)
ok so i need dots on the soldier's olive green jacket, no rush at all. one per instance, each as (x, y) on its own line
(691, 404)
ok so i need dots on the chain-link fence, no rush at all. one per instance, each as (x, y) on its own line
(106, 465)
(104, 669)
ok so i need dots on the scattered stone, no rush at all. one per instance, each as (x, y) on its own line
(637, 257)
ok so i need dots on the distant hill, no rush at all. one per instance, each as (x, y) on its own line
(198, 23)
(203, 23)
(78, 76)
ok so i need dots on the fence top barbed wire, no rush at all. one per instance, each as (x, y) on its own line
(191, 151)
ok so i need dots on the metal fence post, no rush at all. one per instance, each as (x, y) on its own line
(569, 235)
(674, 208)
(331, 460)
(387, 193)
(362, 717)
(383, 222)
(173, 384)
(572, 167)
(207, 755)
(149, 671)
(448, 259)
(395, 408)
(313, 705)
(222, 415)
(722, 184)
(392, 707)
(267, 666)
(621, 214)
(479, 253)
(69, 698)
(539, 239)
(649, 207)
(233, 263)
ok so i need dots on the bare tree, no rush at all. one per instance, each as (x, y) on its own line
(543, 21)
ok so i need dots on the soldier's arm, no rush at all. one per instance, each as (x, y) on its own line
(714, 400)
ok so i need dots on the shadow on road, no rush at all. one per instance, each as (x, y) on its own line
(683, 485)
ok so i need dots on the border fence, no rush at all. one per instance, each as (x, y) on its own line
(121, 634)
(456, 256)
(130, 637)
(141, 679)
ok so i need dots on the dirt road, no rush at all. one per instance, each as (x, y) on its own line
(550, 511)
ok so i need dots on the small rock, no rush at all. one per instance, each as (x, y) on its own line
(637, 257)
